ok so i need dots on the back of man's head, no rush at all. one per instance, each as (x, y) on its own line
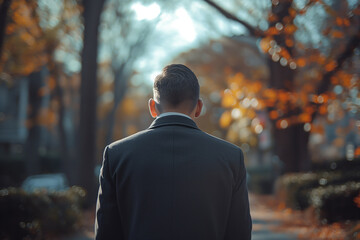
(176, 87)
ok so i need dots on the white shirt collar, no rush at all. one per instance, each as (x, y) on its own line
(172, 114)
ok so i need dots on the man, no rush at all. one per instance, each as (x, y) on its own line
(173, 181)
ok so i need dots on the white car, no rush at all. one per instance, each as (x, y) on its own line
(50, 182)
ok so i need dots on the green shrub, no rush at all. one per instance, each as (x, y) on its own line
(295, 188)
(336, 202)
(39, 215)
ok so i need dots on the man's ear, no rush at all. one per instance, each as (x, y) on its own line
(152, 108)
(199, 107)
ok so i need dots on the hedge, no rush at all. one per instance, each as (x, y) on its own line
(39, 215)
(336, 202)
(295, 188)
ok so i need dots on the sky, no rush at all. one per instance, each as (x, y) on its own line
(184, 29)
(179, 27)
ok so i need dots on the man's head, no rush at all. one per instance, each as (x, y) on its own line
(176, 89)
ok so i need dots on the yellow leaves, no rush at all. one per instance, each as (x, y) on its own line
(10, 28)
(228, 99)
(25, 44)
(27, 38)
(322, 109)
(339, 21)
(270, 94)
(273, 17)
(256, 87)
(343, 78)
(251, 113)
(232, 135)
(305, 117)
(301, 62)
(273, 114)
(289, 42)
(290, 29)
(238, 78)
(346, 82)
(342, 22)
(292, 12)
(317, 129)
(320, 99)
(272, 31)
(225, 119)
(21, 14)
(283, 96)
(330, 66)
(284, 53)
(309, 110)
(337, 34)
(265, 44)
(334, 80)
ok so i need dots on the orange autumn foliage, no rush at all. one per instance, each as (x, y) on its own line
(24, 40)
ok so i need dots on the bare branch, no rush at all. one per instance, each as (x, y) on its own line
(348, 52)
(252, 30)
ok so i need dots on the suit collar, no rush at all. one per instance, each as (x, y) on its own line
(173, 120)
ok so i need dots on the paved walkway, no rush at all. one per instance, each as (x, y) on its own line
(264, 223)
(263, 232)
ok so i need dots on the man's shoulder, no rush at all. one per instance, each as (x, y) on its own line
(128, 140)
(145, 135)
(220, 142)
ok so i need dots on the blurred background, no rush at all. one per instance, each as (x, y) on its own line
(278, 78)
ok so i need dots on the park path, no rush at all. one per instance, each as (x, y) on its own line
(265, 223)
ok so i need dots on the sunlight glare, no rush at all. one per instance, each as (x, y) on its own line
(153, 75)
(184, 24)
(143, 12)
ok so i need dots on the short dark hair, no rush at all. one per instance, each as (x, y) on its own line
(175, 85)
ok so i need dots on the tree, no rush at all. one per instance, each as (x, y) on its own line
(4, 7)
(132, 37)
(88, 98)
(293, 103)
(25, 39)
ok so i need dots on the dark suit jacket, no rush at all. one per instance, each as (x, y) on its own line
(173, 181)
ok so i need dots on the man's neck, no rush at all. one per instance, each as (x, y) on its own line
(164, 114)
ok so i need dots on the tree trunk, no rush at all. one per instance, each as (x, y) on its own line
(110, 122)
(36, 102)
(120, 87)
(3, 17)
(88, 99)
(67, 156)
(291, 143)
(291, 146)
